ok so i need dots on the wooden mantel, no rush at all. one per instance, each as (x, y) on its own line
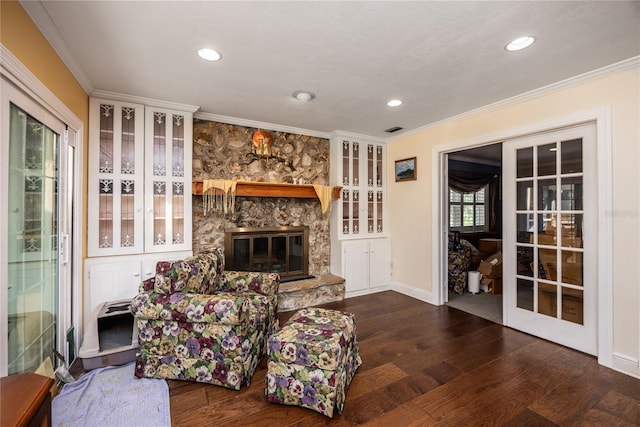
(271, 189)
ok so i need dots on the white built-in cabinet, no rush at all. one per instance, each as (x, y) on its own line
(360, 247)
(139, 195)
(366, 265)
(139, 179)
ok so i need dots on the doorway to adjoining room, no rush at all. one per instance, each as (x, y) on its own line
(474, 208)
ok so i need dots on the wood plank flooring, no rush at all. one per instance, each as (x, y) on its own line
(425, 365)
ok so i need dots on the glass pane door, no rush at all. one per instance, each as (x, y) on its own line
(549, 206)
(32, 241)
(167, 203)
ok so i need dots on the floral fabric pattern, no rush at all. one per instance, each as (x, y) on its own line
(458, 267)
(215, 338)
(238, 281)
(459, 264)
(198, 274)
(312, 360)
(223, 308)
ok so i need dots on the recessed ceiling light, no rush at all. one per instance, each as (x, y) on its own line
(520, 43)
(209, 54)
(394, 103)
(303, 95)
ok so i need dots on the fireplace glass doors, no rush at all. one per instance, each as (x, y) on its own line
(283, 250)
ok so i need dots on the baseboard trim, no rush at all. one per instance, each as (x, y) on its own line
(420, 294)
(626, 364)
(366, 291)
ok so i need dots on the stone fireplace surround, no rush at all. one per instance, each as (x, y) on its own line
(223, 151)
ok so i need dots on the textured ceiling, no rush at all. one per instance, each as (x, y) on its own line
(441, 58)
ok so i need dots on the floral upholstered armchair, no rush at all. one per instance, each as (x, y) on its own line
(197, 322)
(459, 264)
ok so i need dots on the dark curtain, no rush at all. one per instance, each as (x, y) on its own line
(472, 182)
(469, 182)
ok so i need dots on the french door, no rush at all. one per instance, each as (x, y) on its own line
(37, 182)
(550, 236)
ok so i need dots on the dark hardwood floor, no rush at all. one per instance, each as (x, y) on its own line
(428, 365)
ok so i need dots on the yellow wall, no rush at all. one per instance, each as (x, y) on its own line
(410, 203)
(20, 35)
(25, 41)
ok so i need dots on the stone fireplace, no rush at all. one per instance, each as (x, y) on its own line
(224, 151)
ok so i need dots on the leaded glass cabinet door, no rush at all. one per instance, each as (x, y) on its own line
(116, 174)
(550, 241)
(351, 188)
(168, 148)
(375, 194)
(363, 195)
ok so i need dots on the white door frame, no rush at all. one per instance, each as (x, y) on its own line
(13, 72)
(602, 118)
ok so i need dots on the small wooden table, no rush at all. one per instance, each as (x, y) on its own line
(25, 400)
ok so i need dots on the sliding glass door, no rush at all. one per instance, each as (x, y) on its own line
(37, 188)
(32, 297)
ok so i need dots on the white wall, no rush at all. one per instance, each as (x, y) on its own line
(410, 203)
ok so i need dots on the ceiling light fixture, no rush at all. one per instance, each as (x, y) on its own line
(520, 43)
(302, 95)
(209, 54)
(394, 103)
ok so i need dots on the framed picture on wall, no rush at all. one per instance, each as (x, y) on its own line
(406, 169)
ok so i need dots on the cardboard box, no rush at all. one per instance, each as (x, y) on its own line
(492, 286)
(572, 305)
(490, 246)
(491, 270)
(492, 266)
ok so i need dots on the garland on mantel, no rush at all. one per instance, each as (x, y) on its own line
(219, 195)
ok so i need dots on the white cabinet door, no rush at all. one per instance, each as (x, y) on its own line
(366, 265)
(109, 281)
(356, 265)
(379, 262)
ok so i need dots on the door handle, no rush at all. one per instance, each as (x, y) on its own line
(64, 248)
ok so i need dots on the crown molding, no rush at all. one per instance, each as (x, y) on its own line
(99, 93)
(14, 71)
(260, 125)
(49, 30)
(357, 136)
(631, 64)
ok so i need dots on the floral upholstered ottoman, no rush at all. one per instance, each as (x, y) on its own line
(312, 360)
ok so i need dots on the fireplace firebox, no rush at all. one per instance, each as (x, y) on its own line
(283, 250)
